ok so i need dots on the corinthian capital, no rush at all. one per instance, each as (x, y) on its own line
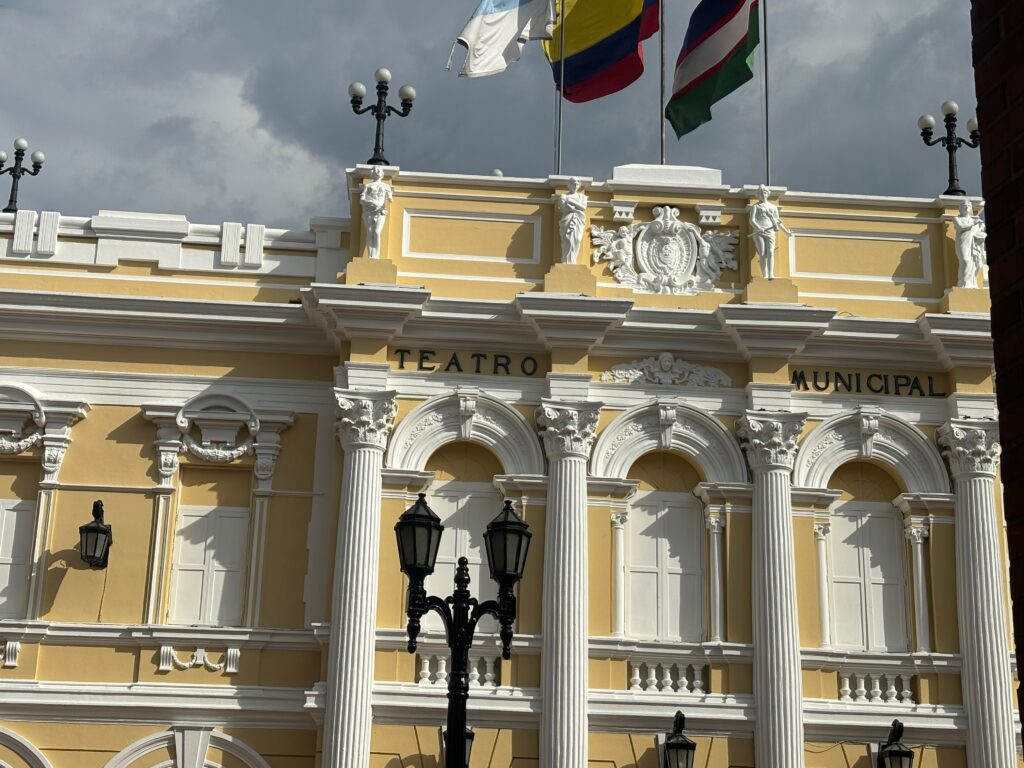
(970, 446)
(568, 429)
(364, 418)
(770, 438)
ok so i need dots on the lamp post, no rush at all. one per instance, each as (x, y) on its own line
(678, 751)
(381, 110)
(950, 141)
(507, 541)
(893, 753)
(18, 170)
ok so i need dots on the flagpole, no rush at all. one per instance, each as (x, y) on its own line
(764, 55)
(561, 88)
(660, 104)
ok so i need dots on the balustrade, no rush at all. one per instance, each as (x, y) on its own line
(432, 670)
(865, 687)
(679, 677)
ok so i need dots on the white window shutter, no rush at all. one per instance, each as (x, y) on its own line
(17, 524)
(210, 562)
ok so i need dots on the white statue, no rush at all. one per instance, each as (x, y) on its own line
(375, 197)
(573, 207)
(970, 245)
(764, 223)
(666, 369)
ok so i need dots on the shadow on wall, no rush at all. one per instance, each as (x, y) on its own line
(57, 566)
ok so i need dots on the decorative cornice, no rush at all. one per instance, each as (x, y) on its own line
(50, 428)
(364, 418)
(568, 429)
(770, 439)
(970, 446)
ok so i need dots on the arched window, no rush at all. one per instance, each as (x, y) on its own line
(464, 497)
(868, 561)
(665, 552)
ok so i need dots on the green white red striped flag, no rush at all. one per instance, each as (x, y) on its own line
(716, 59)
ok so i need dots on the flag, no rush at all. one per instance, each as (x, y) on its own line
(498, 30)
(716, 59)
(603, 51)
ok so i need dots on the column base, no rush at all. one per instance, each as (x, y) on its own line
(363, 269)
(966, 300)
(761, 290)
(570, 278)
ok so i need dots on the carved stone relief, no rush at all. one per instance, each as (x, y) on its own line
(666, 368)
(666, 255)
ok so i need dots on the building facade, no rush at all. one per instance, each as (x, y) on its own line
(773, 504)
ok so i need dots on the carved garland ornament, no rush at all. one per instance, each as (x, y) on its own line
(666, 255)
(666, 368)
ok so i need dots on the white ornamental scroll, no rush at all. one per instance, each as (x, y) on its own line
(666, 255)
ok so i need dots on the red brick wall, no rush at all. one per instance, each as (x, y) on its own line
(998, 32)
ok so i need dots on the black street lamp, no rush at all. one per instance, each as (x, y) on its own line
(893, 753)
(950, 141)
(96, 538)
(507, 540)
(381, 110)
(18, 170)
(678, 751)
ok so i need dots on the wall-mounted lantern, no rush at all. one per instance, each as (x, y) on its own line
(678, 751)
(893, 753)
(96, 538)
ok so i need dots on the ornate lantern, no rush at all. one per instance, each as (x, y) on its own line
(678, 751)
(507, 539)
(419, 535)
(96, 538)
(895, 754)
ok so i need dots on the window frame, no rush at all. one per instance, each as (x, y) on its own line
(18, 505)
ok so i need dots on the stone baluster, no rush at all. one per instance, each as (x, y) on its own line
(972, 449)
(821, 532)
(770, 443)
(363, 425)
(568, 431)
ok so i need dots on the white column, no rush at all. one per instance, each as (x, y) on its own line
(619, 574)
(972, 449)
(568, 431)
(715, 522)
(917, 533)
(770, 442)
(821, 532)
(364, 423)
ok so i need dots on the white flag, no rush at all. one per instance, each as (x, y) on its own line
(498, 30)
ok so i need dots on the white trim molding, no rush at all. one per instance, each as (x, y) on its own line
(23, 748)
(505, 218)
(667, 424)
(920, 240)
(466, 414)
(869, 433)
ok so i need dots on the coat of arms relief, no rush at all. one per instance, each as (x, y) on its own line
(665, 255)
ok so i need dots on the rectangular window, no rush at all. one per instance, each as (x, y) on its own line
(17, 526)
(664, 556)
(868, 577)
(465, 509)
(211, 546)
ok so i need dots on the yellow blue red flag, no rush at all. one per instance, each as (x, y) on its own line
(603, 45)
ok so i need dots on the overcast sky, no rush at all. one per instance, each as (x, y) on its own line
(237, 109)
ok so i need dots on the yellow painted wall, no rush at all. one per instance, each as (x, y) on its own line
(398, 746)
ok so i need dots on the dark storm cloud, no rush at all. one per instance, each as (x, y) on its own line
(236, 109)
